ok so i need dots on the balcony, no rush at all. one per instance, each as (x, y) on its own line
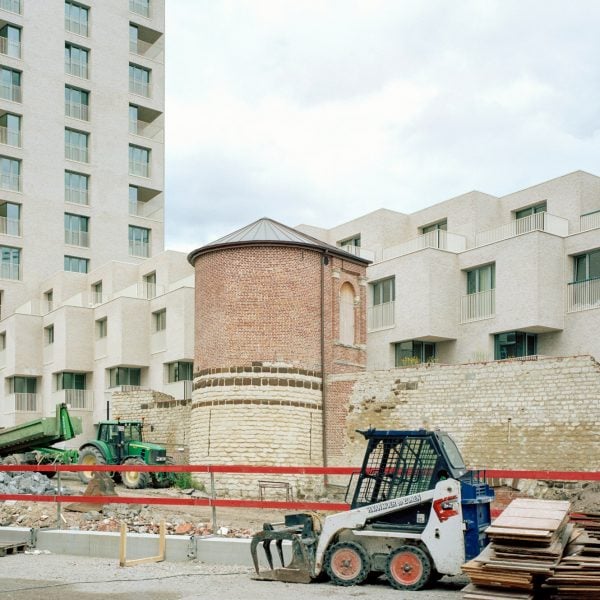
(139, 168)
(478, 306)
(76, 195)
(10, 137)
(10, 182)
(537, 222)
(13, 6)
(380, 316)
(10, 48)
(76, 110)
(589, 221)
(77, 238)
(76, 68)
(31, 403)
(147, 210)
(140, 88)
(358, 251)
(151, 50)
(10, 226)
(10, 92)
(152, 131)
(77, 153)
(10, 271)
(439, 240)
(140, 8)
(140, 249)
(76, 399)
(583, 295)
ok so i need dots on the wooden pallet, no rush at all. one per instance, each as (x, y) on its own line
(12, 547)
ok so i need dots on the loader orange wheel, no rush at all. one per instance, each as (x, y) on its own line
(408, 568)
(347, 563)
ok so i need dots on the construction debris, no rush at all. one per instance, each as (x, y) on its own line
(29, 482)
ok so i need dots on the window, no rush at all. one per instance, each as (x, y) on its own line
(413, 352)
(101, 328)
(70, 381)
(530, 210)
(11, 6)
(76, 187)
(347, 314)
(23, 385)
(10, 84)
(76, 230)
(10, 41)
(439, 226)
(139, 161)
(76, 145)
(124, 376)
(514, 344)
(179, 371)
(587, 266)
(160, 320)
(384, 291)
(77, 103)
(134, 204)
(353, 241)
(149, 285)
(482, 279)
(140, 7)
(76, 18)
(133, 38)
(2, 341)
(10, 174)
(133, 119)
(10, 130)
(49, 335)
(139, 241)
(49, 300)
(139, 80)
(10, 218)
(76, 61)
(97, 293)
(76, 264)
(10, 263)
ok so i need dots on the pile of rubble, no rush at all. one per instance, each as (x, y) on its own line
(12, 482)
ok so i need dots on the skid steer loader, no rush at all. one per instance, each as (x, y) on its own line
(416, 515)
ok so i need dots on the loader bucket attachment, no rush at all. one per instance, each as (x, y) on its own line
(301, 567)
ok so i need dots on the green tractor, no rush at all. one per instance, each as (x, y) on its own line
(121, 443)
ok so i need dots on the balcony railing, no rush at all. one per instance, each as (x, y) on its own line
(583, 295)
(25, 402)
(77, 27)
(146, 49)
(140, 8)
(10, 226)
(380, 316)
(590, 221)
(76, 399)
(78, 153)
(141, 249)
(10, 48)
(77, 238)
(10, 181)
(439, 240)
(148, 130)
(76, 110)
(13, 6)
(148, 210)
(10, 137)
(76, 68)
(478, 306)
(141, 88)
(537, 222)
(10, 91)
(76, 195)
(358, 251)
(139, 168)
(10, 271)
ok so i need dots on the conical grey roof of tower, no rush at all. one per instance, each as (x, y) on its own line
(266, 232)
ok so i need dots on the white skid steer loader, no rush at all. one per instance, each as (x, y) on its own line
(416, 515)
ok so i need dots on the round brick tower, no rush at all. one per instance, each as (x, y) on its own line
(268, 305)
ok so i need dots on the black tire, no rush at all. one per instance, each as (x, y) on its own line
(347, 563)
(135, 480)
(408, 568)
(90, 455)
(166, 479)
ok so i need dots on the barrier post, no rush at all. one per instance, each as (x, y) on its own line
(213, 495)
(58, 504)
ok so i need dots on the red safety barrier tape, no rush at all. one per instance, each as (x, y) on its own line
(550, 475)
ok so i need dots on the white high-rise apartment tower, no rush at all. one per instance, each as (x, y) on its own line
(81, 139)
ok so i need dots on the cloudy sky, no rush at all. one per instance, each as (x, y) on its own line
(318, 111)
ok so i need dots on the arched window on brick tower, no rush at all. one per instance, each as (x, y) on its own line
(347, 314)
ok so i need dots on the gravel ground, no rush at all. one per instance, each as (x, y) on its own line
(54, 577)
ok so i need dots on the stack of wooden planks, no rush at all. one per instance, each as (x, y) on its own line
(527, 542)
(577, 576)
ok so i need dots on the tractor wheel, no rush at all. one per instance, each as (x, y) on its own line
(90, 456)
(135, 480)
(166, 479)
(408, 568)
(347, 563)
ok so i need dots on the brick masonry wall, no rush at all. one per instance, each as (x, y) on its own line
(535, 414)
